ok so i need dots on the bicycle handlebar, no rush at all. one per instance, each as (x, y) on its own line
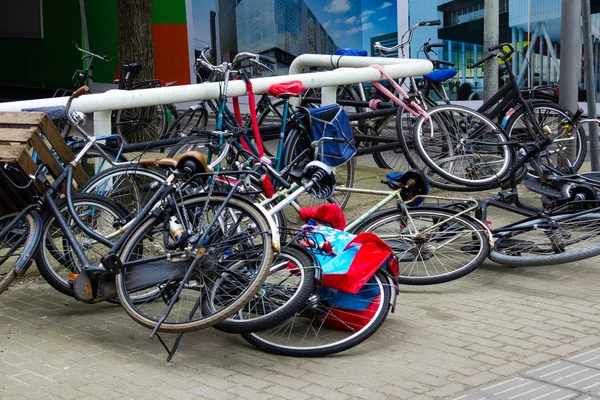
(378, 47)
(92, 55)
(82, 90)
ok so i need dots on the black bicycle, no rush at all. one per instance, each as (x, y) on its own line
(164, 262)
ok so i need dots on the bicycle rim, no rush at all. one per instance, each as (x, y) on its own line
(329, 324)
(236, 256)
(16, 246)
(456, 247)
(462, 146)
(537, 242)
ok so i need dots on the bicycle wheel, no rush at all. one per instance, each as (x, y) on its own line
(17, 245)
(236, 255)
(437, 254)
(569, 146)
(130, 185)
(298, 141)
(405, 123)
(196, 142)
(142, 124)
(462, 146)
(194, 117)
(56, 259)
(537, 241)
(329, 322)
(290, 283)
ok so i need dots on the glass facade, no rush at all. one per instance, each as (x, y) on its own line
(284, 28)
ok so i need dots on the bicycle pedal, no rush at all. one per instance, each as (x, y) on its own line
(168, 292)
(111, 263)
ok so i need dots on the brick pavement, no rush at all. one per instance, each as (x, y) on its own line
(442, 341)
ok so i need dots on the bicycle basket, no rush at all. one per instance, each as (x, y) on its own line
(332, 122)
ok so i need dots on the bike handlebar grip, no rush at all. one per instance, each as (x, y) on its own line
(500, 46)
(431, 23)
(80, 91)
(436, 45)
(442, 62)
(267, 59)
(477, 64)
(338, 140)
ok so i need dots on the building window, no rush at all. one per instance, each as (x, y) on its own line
(22, 21)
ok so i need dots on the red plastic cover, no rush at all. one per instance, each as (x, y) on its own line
(328, 213)
(293, 88)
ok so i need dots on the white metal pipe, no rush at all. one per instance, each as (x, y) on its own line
(329, 61)
(120, 99)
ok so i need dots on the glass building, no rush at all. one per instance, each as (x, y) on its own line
(282, 29)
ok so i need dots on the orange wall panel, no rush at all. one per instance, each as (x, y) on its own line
(171, 53)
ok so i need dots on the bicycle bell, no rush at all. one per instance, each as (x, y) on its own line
(79, 118)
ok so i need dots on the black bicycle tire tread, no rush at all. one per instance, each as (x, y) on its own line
(28, 252)
(283, 312)
(216, 318)
(437, 279)
(336, 347)
(40, 262)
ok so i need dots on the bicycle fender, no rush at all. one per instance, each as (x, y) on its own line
(24, 262)
(273, 226)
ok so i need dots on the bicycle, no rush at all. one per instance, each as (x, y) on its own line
(555, 235)
(134, 124)
(467, 149)
(196, 243)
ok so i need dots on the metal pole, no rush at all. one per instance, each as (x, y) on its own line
(590, 82)
(570, 57)
(491, 32)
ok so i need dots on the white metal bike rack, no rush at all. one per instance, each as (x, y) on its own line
(104, 103)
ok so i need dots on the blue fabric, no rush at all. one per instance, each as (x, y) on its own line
(55, 113)
(357, 302)
(338, 240)
(351, 52)
(440, 75)
(331, 121)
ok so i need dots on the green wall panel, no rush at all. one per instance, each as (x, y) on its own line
(168, 12)
(101, 18)
(48, 62)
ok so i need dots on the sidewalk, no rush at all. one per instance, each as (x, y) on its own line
(455, 340)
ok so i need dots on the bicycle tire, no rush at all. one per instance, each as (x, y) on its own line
(539, 244)
(17, 246)
(310, 321)
(555, 117)
(463, 146)
(55, 259)
(405, 123)
(130, 185)
(141, 124)
(286, 289)
(297, 141)
(215, 266)
(421, 262)
(195, 117)
(196, 142)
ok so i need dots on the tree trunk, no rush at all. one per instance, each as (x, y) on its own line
(135, 38)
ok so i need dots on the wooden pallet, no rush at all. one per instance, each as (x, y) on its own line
(21, 136)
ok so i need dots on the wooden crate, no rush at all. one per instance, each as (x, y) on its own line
(21, 136)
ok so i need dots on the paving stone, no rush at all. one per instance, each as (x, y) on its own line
(569, 375)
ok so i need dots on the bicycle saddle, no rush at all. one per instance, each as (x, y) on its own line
(191, 162)
(440, 75)
(133, 67)
(286, 89)
(412, 183)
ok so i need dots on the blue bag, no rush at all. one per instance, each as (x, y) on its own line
(331, 121)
